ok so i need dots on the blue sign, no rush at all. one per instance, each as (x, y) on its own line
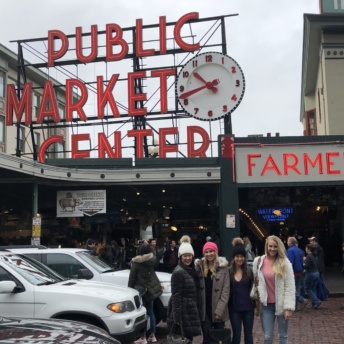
(275, 214)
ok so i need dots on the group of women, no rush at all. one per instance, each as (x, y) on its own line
(207, 292)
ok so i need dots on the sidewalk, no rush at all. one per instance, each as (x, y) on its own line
(321, 326)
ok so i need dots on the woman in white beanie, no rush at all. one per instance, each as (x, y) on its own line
(183, 307)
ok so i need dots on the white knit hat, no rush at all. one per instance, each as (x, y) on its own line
(185, 246)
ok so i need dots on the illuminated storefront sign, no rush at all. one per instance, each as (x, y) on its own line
(291, 163)
(275, 214)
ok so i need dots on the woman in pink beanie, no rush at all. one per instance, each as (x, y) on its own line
(213, 273)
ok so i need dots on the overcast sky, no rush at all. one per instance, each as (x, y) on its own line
(265, 39)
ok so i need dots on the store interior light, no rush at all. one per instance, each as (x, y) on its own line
(174, 228)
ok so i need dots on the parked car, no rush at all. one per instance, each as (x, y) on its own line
(32, 290)
(27, 330)
(77, 263)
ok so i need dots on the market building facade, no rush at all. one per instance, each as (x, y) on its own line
(252, 186)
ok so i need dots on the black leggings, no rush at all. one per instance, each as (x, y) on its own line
(208, 324)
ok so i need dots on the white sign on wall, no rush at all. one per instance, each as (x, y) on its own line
(290, 163)
(80, 203)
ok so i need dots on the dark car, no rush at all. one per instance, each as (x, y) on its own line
(27, 330)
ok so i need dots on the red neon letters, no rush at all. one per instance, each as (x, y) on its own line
(114, 38)
(293, 164)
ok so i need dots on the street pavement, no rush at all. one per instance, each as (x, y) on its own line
(322, 326)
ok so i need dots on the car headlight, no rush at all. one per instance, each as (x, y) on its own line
(166, 287)
(121, 307)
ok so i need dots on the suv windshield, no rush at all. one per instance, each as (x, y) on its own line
(97, 263)
(33, 271)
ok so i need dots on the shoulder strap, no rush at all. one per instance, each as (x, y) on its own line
(256, 276)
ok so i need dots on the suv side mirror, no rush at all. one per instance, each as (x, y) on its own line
(85, 274)
(7, 287)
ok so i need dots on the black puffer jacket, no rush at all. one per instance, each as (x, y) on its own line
(142, 274)
(182, 307)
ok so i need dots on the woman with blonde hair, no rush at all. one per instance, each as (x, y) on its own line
(213, 275)
(276, 288)
(241, 307)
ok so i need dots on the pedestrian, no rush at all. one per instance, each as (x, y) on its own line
(320, 254)
(312, 274)
(158, 252)
(91, 246)
(296, 255)
(142, 274)
(241, 307)
(183, 306)
(213, 274)
(170, 256)
(249, 253)
(276, 287)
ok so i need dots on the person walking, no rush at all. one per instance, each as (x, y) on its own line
(213, 274)
(171, 256)
(241, 307)
(142, 274)
(183, 306)
(312, 275)
(276, 287)
(296, 255)
(319, 251)
(249, 253)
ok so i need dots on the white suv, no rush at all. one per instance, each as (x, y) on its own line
(77, 263)
(30, 289)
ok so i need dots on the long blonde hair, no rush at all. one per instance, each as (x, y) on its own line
(212, 269)
(280, 264)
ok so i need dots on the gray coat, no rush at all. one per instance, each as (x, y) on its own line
(220, 294)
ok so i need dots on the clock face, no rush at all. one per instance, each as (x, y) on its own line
(210, 86)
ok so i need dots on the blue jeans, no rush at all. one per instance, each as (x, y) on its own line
(239, 318)
(268, 321)
(311, 280)
(298, 296)
(150, 313)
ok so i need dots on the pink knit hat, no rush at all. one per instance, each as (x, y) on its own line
(210, 246)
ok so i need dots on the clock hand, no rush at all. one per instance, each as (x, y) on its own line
(209, 85)
(197, 76)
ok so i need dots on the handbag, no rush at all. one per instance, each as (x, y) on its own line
(220, 336)
(254, 294)
(173, 338)
(321, 290)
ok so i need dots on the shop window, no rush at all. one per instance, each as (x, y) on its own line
(311, 125)
(22, 139)
(2, 129)
(36, 104)
(2, 83)
(37, 138)
(59, 152)
(62, 112)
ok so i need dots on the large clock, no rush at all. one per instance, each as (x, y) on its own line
(210, 86)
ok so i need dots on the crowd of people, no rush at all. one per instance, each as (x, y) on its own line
(207, 290)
